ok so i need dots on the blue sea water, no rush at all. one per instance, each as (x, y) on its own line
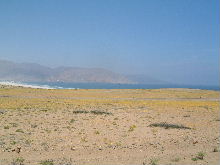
(63, 85)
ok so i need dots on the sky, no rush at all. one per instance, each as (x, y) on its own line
(171, 40)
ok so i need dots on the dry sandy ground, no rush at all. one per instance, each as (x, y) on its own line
(98, 127)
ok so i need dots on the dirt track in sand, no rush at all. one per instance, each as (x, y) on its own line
(108, 126)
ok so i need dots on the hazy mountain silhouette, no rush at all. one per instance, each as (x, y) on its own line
(31, 72)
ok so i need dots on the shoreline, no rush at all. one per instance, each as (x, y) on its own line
(53, 85)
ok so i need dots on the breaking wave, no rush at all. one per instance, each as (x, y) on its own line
(26, 85)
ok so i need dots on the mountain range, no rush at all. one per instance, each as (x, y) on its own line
(31, 72)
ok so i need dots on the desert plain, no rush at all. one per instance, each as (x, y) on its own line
(108, 126)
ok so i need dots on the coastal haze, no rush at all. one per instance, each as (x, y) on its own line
(36, 73)
(29, 72)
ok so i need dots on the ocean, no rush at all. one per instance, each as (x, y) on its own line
(62, 85)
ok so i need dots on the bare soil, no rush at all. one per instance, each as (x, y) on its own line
(98, 127)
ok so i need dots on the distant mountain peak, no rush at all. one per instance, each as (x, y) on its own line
(32, 72)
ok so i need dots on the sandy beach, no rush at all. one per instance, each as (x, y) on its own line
(114, 126)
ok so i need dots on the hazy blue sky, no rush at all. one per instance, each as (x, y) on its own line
(173, 40)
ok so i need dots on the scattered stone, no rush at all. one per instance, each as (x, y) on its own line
(2, 111)
(73, 148)
(215, 149)
(17, 150)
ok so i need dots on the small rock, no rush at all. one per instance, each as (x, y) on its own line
(2, 111)
(73, 148)
(215, 149)
(18, 150)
